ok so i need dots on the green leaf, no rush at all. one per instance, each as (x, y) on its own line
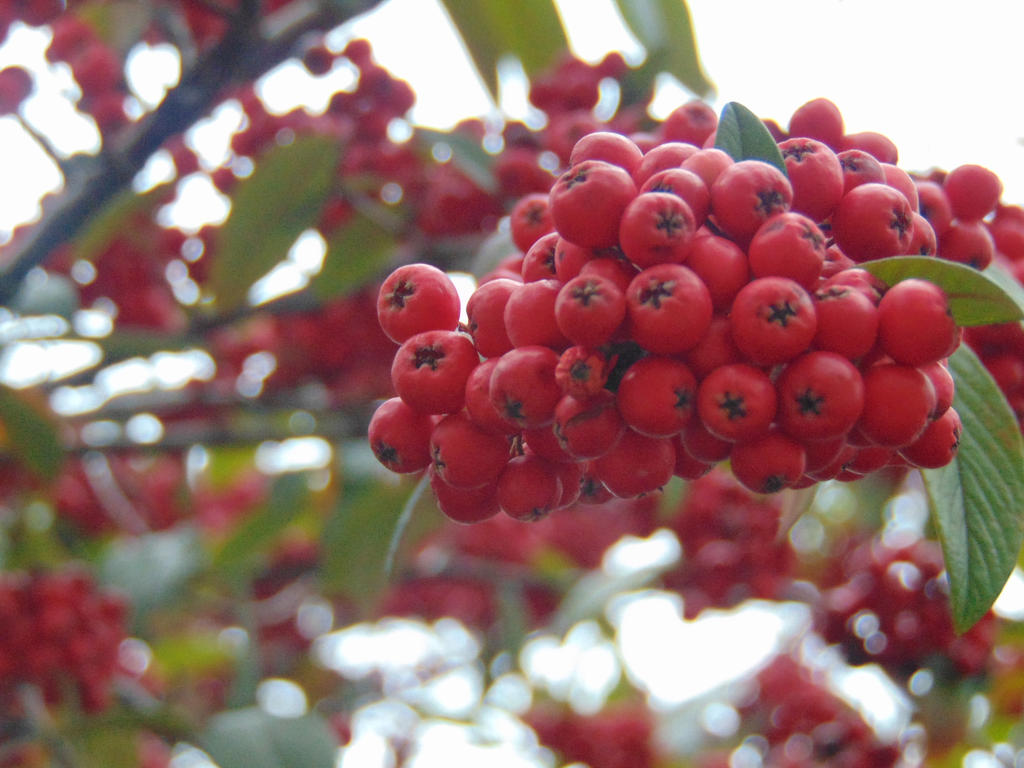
(666, 31)
(531, 30)
(114, 220)
(743, 136)
(355, 254)
(153, 568)
(368, 532)
(468, 155)
(269, 210)
(31, 433)
(251, 738)
(977, 499)
(975, 298)
(287, 500)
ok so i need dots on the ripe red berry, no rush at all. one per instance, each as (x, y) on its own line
(465, 455)
(587, 428)
(530, 315)
(967, 242)
(416, 298)
(464, 505)
(685, 184)
(915, 324)
(400, 436)
(898, 400)
(692, 122)
(788, 245)
(523, 386)
(938, 444)
(821, 396)
(973, 191)
(637, 464)
(657, 396)
(859, 168)
(721, 265)
(485, 310)
(589, 309)
(708, 164)
(669, 309)
(847, 321)
(745, 195)
(873, 221)
(737, 402)
(430, 369)
(587, 202)
(671, 154)
(816, 175)
(582, 372)
(529, 488)
(530, 220)
(610, 147)
(934, 206)
(768, 463)
(539, 261)
(656, 228)
(818, 119)
(773, 320)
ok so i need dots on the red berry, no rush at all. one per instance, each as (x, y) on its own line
(587, 202)
(816, 175)
(530, 220)
(847, 321)
(657, 396)
(768, 463)
(669, 309)
(818, 119)
(773, 320)
(721, 265)
(530, 315)
(529, 488)
(737, 402)
(873, 221)
(430, 369)
(610, 147)
(587, 428)
(746, 194)
(973, 191)
(898, 400)
(938, 444)
(589, 309)
(821, 396)
(788, 245)
(523, 386)
(637, 464)
(416, 298)
(915, 324)
(465, 455)
(400, 436)
(485, 310)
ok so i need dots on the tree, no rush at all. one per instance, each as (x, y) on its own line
(202, 551)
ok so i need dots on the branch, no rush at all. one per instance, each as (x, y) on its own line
(246, 51)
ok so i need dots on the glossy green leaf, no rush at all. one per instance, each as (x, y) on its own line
(269, 210)
(975, 298)
(31, 433)
(665, 29)
(530, 30)
(251, 738)
(743, 136)
(287, 500)
(357, 252)
(978, 499)
(153, 568)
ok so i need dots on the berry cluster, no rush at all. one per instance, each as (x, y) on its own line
(61, 633)
(671, 309)
(731, 547)
(804, 724)
(889, 604)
